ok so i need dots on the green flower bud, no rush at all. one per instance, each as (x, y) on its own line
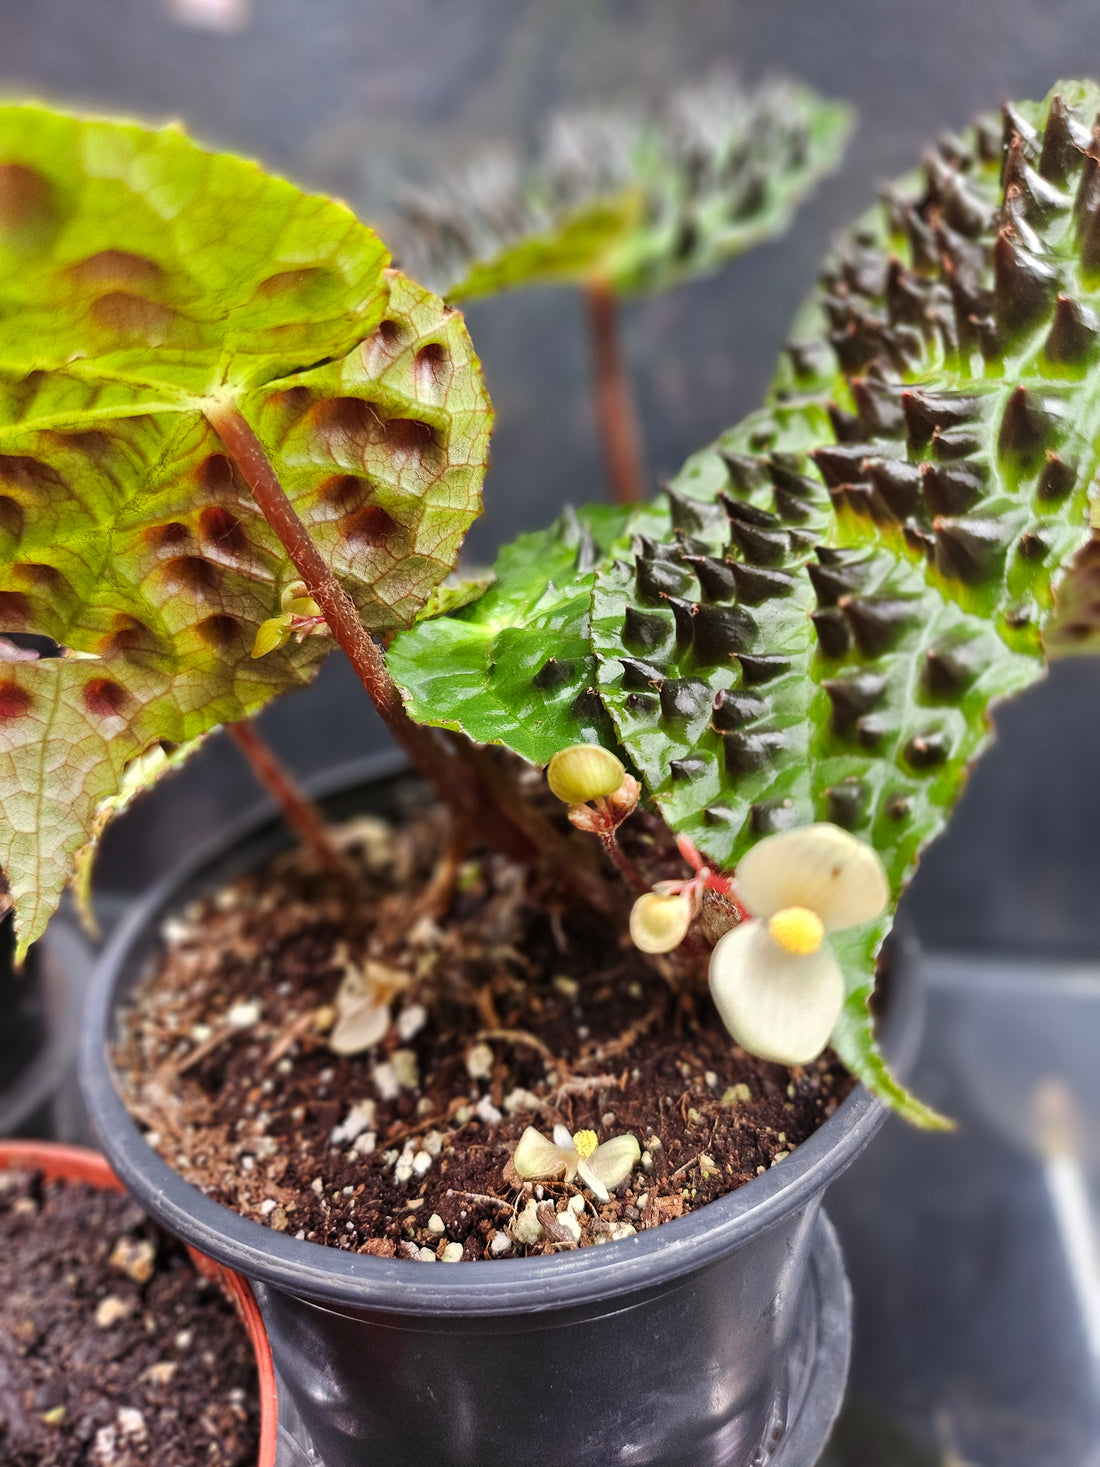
(584, 772)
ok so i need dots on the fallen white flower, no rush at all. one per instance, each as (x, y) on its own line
(601, 1167)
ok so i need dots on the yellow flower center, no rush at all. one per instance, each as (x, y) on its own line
(585, 1143)
(797, 930)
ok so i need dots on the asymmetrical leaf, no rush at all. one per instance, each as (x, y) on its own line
(142, 281)
(638, 201)
(815, 622)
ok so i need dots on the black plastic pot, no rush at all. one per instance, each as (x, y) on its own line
(39, 1034)
(716, 1340)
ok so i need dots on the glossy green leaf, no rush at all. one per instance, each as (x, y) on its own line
(516, 666)
(142, 281)
(636, 200)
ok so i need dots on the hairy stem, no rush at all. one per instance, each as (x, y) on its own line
(298, 810)
(615, 415)
(426, 753)
(479, 793)
(622, 862)
(567, 861)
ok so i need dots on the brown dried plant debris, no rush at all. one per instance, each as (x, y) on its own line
(519, 1011)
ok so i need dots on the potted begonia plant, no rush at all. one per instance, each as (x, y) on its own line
(794, 650)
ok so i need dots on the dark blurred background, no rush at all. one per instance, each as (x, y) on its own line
(355, 96)
(977, 1309)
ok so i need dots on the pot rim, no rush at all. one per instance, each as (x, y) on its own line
(655, 1257)
(56, 1159)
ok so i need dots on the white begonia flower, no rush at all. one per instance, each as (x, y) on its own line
(659, 920)
(778, 989)
(601, 1168)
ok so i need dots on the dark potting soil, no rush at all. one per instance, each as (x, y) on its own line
(114, 1352)
(520, 1008)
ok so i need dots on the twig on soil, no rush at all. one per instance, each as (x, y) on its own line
(207, 1047)
(484, 1198)
(628, 1037)
(521, 1036)
(301, 1026)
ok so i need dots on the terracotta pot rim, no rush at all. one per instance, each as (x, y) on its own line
(81, 1164)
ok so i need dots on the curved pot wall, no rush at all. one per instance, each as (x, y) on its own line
(669, 1349)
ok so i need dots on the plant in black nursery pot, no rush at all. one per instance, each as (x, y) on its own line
(476, 1027)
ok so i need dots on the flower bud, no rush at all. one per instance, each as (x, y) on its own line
(584, 772)
(659, 921)
(271, 635)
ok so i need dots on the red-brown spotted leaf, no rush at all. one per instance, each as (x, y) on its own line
(142, 281)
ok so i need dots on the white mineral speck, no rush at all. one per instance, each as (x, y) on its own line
(615, 1232)
(131, 1424)
(576, 1204)
(519, 1100)
(569, 1223)
(426, 1255)
(317, 1186)
(711, 1078)
(110, 1310)
(359, 1118)
(433, 1143)
(527, 1229)
(268, 1206)
(452, 1253)
(499, 1244)
(406, 1068)
(479, 1062)
(364, 1144)
(385, 1080)
(436, 1224)
(421, 1163)
(200, 1033)
(243, 1015)
(486, 1111)
(411, 1020)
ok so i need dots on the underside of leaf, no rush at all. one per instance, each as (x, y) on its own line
(144, 281)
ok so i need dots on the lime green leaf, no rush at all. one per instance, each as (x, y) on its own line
(854, 1038)
(142, 282)
(139, 775)
(454, 593)
(516, 667)
(638, 201)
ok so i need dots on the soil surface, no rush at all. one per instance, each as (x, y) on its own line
(114, 1352)
(511, 1007)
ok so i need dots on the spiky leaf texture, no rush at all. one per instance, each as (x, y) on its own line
(815, 622)
(143, 280)
(637, 200)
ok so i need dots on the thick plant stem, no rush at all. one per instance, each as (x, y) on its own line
(615, 414)
(426, 753)
(478, 794)
(298, 810)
